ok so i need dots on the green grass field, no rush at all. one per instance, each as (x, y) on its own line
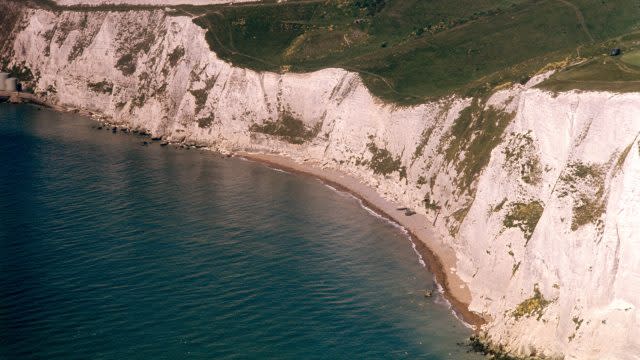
(599, 71)
(409, 51)
(631, 58)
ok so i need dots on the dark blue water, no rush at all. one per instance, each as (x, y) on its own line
(113, 250)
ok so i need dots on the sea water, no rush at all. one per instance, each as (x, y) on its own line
(110, 249)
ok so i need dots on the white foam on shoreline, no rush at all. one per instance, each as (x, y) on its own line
(372, 212)
(278, 170)
(420, 259)
(385, 218)
(455, 314)
(263, 163)
(330, 187)
(441, 299)
(397, 225)
(415, 250)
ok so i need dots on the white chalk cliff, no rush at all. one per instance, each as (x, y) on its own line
(567, 285)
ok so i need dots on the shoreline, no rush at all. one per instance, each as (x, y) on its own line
(19, 97)
(439, 258)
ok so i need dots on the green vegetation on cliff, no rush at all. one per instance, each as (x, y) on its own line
(533, 306)
(288, 128)
(383, 162)
(524, 216)
(473, 136)
(586, 183)
(103, 86)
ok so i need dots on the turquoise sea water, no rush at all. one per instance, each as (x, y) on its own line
(114, 250)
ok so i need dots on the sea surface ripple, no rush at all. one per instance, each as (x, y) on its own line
(114, 250)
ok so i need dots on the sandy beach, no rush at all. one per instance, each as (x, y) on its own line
(439, 257)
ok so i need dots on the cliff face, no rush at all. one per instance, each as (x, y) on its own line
(537, 192)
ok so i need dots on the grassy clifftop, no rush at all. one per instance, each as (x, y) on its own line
(411, 50)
